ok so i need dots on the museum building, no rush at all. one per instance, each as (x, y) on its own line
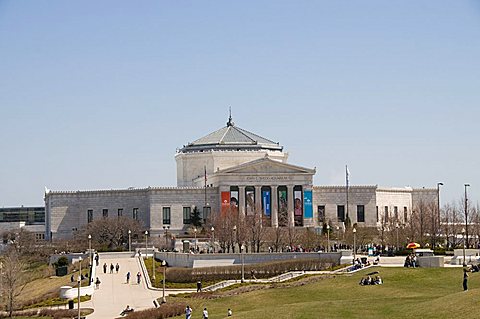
(232, 169)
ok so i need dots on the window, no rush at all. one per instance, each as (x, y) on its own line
(405, 214)
(360, 213)
(206, 212)
(135, 214)
(39, 236)
(376, 210)
(386, 214)
(321, 214)
(341, 213)
(166, 215)
(89, 215)
(395, 212)
(105, 213)
(187, 213)
(120, 212)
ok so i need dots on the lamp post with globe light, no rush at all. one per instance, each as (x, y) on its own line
(129, 240)
(164, 265)
(328, 238)
(213, 238)
(354, 243)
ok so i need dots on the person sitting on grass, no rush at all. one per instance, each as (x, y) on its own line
(126, 310)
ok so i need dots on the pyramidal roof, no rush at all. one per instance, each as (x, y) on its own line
(231, 137)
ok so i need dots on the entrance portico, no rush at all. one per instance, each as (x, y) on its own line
(281, 192)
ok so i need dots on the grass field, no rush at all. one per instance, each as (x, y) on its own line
(406, 293)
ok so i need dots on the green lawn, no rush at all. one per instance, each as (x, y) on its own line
(406, 293)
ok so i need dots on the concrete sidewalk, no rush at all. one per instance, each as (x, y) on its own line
(115, 294)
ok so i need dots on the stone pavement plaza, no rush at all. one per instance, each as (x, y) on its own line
(115, 294)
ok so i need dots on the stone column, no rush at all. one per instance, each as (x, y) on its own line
(274, 206)
(291, 222)
(241, 200)
(258, 199)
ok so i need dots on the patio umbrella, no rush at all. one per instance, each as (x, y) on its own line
(413, 245)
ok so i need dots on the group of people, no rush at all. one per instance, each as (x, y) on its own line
(365, 281)
(411, 261)
(189, 311)
(112, 267)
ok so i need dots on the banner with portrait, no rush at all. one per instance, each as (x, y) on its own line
(298, 207)
(234, 201)
(282, 207)
(249, 201)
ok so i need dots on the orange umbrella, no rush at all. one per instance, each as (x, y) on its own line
(413, 246)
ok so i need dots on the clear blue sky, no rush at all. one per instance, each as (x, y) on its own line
(99, 94)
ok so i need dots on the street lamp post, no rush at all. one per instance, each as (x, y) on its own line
(434, 224)
(354, 243)
(464, 261)
(166, 228)
(129, 240)
(397, 226)
(146, 247)
(328, 238)
(79, 284)
(90, 249)
(466, 214)
(164, 265)
(213, 239)
(234, 237)
(243, 262)
(153, 266)
(195, 232)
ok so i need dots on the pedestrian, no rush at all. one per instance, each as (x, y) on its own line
(139, 277)
(97, 283)
(229, 312)
(205, 313)
(111, 268)
(117, 267)
(105, 268)
(128, 277)
(199, 286)
(188, 312)
(465, 279)
(97, 258)
(72, 278)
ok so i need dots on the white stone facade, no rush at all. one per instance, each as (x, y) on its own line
(244, 171)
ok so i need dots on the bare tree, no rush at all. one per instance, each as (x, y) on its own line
(13, 277)
(110, 233)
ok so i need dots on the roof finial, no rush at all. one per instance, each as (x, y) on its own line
(230, 122)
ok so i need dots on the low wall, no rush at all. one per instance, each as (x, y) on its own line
(431, 261)
(67, 292)
(188, 260)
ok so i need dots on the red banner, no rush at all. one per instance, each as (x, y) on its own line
(225, 202)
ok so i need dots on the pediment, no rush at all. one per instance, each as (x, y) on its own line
(267, 166)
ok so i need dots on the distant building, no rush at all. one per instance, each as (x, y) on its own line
(233, 168)
(31, 219)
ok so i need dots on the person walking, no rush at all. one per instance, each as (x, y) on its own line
(139, 277)
(188, 312)
(229, 312)
(205, 313)
(97, 283)
(465, 279)
(105, 268)
(117, 267)
(128, 277)
(97, 258)
(199, 286)
(111, 268)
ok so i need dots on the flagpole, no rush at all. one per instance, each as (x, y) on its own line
(205, 203)
(346, 186)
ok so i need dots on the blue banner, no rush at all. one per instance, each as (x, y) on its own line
(266, 202)
(307, 204)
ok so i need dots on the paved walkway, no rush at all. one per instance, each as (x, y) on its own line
(115, 294)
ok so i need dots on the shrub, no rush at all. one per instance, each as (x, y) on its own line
(266, 270)
(166, 310)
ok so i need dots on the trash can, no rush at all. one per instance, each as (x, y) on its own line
(70, 304)
(186, 246)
